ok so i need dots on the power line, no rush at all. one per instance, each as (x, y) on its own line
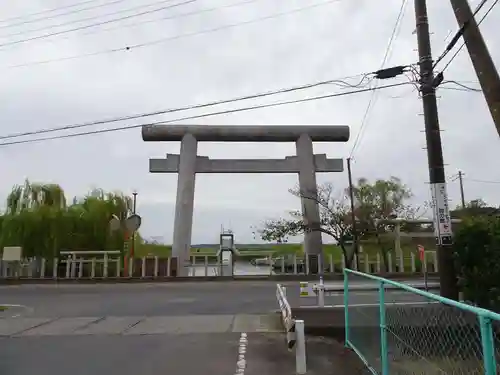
(458, 35)
(372, 100)
(170, 17)
(482, 181)
(88, 18)
(209, 114)
(463, 86)
(60, 14)
(462, 31)
(84, 27)
(171, 38)
(337, 81)
(48, 11)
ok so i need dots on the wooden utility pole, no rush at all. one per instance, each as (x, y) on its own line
(442, 220)
(484, 66)
(461, 180)
(355, 242)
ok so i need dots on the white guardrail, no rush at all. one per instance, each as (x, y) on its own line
(295, 335)
(320, 290)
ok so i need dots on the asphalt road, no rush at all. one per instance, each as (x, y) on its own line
(174, 328)
(161, 299)
(155, 299)
(214, 353)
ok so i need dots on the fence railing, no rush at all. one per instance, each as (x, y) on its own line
(294, 329)
(112, 266)
(411, 331)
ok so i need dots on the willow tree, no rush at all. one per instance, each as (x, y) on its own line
(39, 219)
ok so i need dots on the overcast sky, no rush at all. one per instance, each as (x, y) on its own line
(282, 48)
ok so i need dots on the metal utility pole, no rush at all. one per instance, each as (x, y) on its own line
(134, 207)
(442, 220)
(484, 66)
(353, 214)
(461, 180)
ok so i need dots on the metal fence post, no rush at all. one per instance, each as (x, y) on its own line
(384, 357)
(300, 348)
(488, 345)
(346, 306)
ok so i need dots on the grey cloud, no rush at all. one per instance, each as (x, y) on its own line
(339, 39)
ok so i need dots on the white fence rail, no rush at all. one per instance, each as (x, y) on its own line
(320, 290)
(77, 266)
(295, 335)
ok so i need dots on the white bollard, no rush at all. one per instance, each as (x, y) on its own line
(321, 293)
(143, 267)
(68, 265)
(55, 265)
(130, 267)
(300, 348)
(42, 269)
(105, 266)
(156, 265)
(92, 268)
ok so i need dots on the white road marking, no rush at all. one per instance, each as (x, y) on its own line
(10, 306)
(241, 364)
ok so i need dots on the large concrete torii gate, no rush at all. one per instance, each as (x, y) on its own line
(187, 164)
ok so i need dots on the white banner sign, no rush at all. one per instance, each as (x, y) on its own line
(442, 219)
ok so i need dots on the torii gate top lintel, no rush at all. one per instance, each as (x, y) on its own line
(245, 133)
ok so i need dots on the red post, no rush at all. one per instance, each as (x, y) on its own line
(421, 252)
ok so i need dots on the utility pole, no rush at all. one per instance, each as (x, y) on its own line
(355, 242)
(134, 208)
(442, 220)
(484, 66)
(462, 195)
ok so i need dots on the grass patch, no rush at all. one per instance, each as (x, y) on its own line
(370, 248)
(3, 308)
(165, 251)
(408, 246)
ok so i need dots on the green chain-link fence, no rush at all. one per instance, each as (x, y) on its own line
(414, 332)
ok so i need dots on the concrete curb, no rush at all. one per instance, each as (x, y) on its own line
(131, 280)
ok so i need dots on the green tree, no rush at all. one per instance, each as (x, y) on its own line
(334, 220)
(477, 252)
(38, 218)
(376, 204)
(474, 208)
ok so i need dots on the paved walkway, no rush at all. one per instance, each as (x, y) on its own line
(135, 325)
(175, 345)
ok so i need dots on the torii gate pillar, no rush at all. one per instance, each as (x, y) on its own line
(184, 202)
(313, 243)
